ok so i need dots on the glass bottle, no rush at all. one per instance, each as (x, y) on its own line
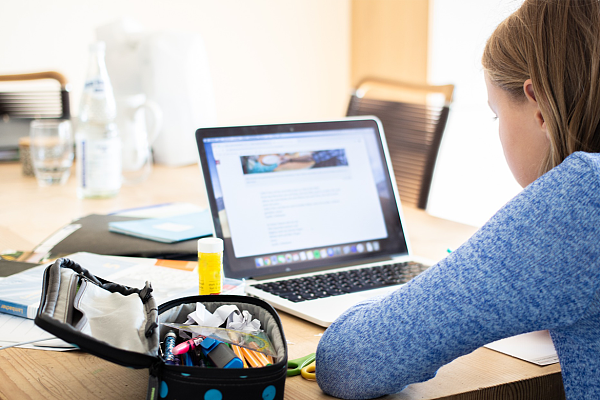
(98, 145)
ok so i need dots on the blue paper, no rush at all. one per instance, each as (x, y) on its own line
(167, 230)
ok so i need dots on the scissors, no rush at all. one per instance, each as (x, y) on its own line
(309, 372)
(302, 366)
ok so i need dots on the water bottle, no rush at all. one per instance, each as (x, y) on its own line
(98, 145)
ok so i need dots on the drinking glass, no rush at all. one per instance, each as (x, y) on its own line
(51, 150)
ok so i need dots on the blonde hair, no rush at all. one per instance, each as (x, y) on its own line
(556, 43)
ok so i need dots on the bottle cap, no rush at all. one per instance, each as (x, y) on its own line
(210, 245)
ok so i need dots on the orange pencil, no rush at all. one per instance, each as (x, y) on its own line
(262, 357)
(253, 361)
(238, 352)
(267, 360)
(254, 358)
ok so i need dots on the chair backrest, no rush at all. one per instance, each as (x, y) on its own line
(24, 97)
(23, 102)
(414, 117)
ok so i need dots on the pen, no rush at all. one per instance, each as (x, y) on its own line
(187, 359)
(170, 357)
(188, 345)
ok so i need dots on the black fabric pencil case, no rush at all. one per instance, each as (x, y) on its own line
(122, 324)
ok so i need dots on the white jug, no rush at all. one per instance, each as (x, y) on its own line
(139, 121)
(171, 68)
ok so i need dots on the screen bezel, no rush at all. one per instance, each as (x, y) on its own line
(396, 244)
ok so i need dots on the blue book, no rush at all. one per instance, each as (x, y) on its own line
(167, 230)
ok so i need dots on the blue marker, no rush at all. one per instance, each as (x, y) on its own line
(187, 359)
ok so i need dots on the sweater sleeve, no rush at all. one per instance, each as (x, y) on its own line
(533, 266)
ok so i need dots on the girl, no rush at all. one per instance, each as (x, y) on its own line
(536, 264)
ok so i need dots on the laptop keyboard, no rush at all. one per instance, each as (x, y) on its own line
(342, 282)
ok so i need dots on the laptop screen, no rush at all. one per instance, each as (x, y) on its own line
(299, 197)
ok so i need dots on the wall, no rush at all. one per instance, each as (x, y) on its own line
(472, 180)
(270, 60)
(389, 39)
(274, 60)
(440, 42)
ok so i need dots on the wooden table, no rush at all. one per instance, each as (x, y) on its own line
(29, 214)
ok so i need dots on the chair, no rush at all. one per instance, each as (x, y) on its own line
(413, 117)
(24, 97)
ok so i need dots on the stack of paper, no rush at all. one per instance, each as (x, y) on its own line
(535, 347)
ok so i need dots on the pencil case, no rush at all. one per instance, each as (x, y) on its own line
(123, 325)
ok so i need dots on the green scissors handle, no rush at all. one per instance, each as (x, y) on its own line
(296, 365)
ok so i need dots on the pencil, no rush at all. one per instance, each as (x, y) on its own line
(238, 352)
(262, 357)
(267, 359)
(254, 358)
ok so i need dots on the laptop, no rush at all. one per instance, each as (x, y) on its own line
(309, 213)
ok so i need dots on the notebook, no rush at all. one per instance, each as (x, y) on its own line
(171, 229)
(301, 207)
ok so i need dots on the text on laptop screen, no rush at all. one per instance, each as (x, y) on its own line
(293, 200)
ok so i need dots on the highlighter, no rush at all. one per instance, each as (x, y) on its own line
(220, 354)
(188, 345)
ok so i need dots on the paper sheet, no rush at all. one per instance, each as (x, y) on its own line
(236, 320)
(534, 347)
(17, 329)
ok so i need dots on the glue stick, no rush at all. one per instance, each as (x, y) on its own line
(210, 265)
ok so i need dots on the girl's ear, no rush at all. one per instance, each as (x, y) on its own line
(531, 98)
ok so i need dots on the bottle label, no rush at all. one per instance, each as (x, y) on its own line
(94, 85)
(100, 164)
(210, 273)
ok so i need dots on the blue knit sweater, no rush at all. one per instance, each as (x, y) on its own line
(535, 265)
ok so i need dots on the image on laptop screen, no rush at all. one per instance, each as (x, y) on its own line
(300, 197)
